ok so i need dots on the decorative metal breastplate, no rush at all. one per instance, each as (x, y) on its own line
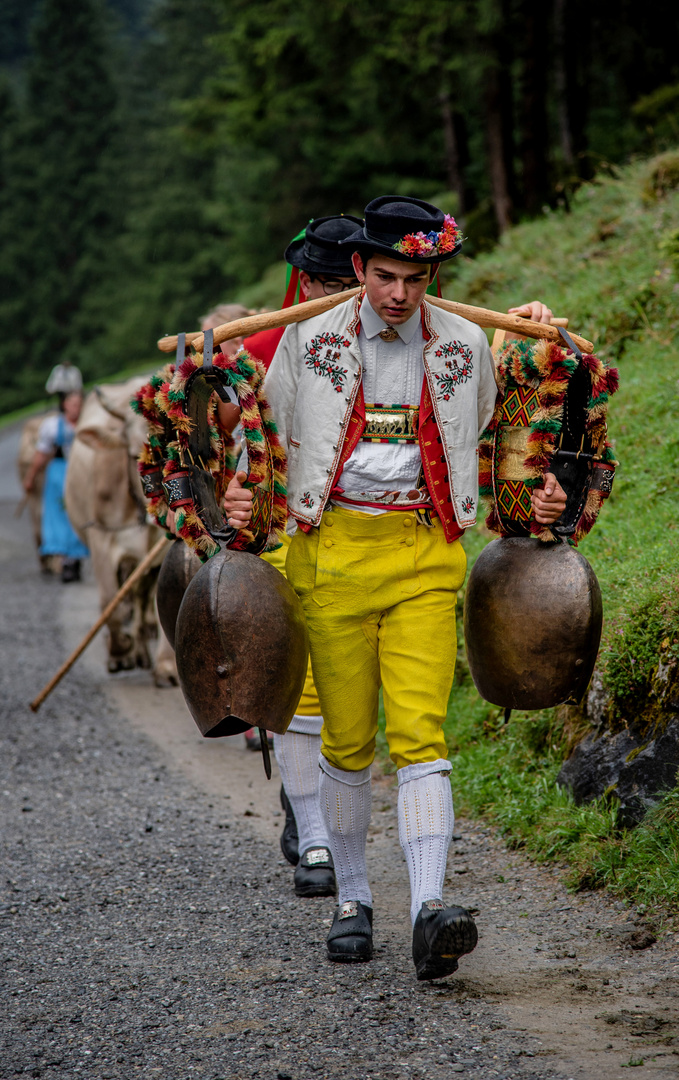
(391, 423)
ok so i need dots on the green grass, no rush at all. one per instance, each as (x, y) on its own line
(27, 410)
(611, 266)
(50, 403)
(507, 772)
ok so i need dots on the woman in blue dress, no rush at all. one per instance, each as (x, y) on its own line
(54, 443)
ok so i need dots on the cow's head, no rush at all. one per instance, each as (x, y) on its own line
(115, 433)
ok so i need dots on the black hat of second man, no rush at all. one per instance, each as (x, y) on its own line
(407, 229)
(320, 250)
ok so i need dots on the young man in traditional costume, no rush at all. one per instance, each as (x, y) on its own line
(380, 404)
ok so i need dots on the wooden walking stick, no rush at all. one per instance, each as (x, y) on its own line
(270, 320)
(124, 589)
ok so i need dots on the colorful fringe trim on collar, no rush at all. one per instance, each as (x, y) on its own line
(546, 369)
(152, 456)
(163, 403)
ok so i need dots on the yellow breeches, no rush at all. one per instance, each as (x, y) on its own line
(379, 595)
(308, 703)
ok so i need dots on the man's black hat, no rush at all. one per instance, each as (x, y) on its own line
(407, 229)
(319, 250)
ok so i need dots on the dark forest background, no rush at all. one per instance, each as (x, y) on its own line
(157, 155)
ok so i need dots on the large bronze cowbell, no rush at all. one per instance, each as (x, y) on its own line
(242, 646)
(532, 623)
(240, 638)
(179, 566)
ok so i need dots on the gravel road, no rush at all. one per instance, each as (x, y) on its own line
(148, 924)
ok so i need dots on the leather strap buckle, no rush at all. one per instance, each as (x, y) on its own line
(152, 482)
(177, 489)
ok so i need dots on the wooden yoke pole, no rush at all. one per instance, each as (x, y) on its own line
(270, 320)
(125, 588)
(516, 324)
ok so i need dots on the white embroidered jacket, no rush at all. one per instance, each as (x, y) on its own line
(313, 383)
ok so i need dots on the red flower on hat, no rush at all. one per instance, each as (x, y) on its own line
(433, 243)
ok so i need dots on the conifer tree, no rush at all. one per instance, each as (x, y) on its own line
(61, 196)
(175, 247)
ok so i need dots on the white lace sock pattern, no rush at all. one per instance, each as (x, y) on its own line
(297, 757)
(425, 829)
(346, 799)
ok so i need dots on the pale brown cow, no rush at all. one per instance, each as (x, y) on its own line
(106, 506)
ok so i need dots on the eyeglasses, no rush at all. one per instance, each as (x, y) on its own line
(332, 286)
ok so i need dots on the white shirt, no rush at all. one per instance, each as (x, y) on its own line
(393, 373)
(48, 435)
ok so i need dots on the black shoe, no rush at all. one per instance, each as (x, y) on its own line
(70, 570)
(289, 837)
(315, 873)
(440, 936)
(350, 940)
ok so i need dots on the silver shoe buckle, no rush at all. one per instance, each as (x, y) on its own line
(316, 856)
(348, 910)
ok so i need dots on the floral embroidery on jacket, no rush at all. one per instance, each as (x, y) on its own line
(456, 373)
(468, 505)
(322, 354)
(307, 500)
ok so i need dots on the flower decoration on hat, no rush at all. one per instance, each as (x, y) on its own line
(432, 243)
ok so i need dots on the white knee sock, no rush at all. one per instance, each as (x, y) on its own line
(297, 757)
(346, 800)
(425, 829)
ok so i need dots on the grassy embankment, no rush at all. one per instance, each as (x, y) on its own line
(143, 367)
(612, 266)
